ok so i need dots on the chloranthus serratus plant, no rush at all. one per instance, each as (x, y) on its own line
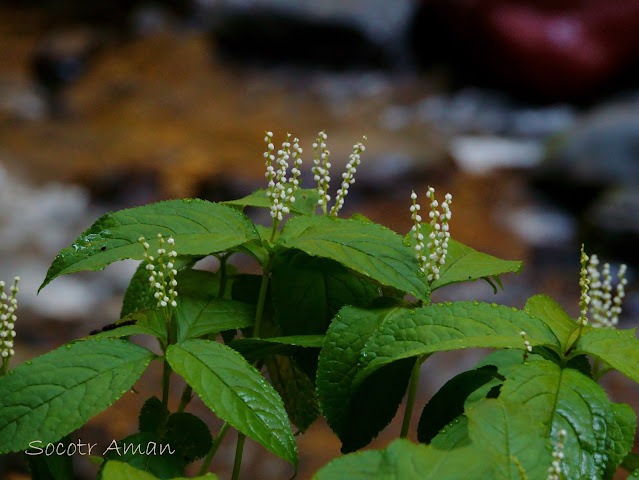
(338, 324)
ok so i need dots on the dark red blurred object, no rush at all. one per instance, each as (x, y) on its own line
(554, 50)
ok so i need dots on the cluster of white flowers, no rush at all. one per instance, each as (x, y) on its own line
(281, 191)
(554, 471)
(348, 177)
(527, 346)
(605, 309)
(162, 274)
(420, 248)
(321, 167)
(584, 283)
(321, 173)
(8, 309)
(439, 235)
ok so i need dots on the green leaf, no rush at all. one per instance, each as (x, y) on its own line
(147, 452)
(114, 470)
(618, 348)
(189, 435)
(295, 388)
(551, 313)
(339, 361)
(367, 417)
(198, 227)
(453, 435)
(200, 312)
(448, 403)
(153, 416)
(51, 467)
(599, 434)
(631, 462)
(256, 348)
(367, 248)
(514, 435)
(305, 201)
(464, 264)
(309, 291)
(236, 392)
(403, 460)
(199, 317)
(145, 322)
(451, 326)
(139, 293)
(59, 391)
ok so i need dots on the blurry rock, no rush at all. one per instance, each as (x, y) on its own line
(541, 227)
(66, 298)
(381, 20)
(477, 110)
(566, 49)
(269, 37)
(601, 151)
(21, 101)
(41, 219)
(58, 61)
(481, 155)
(611, 225)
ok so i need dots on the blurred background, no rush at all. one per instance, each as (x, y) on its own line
(526, 111)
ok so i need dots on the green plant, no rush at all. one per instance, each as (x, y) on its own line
(341, 319)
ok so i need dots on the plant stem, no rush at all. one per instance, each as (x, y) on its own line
(4, 367)
(276, 223)
(187, 395)
(223, 260)
(166, 376)
(216, 444)
(238, 456)
(412, 393)
(260, 305)
(166, 373)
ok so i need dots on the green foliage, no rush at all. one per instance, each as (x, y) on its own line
(115, 470)
(403, 460)
(340, 320)
(59, 391)
(448, 403)
(147, 452)
(199, 227)
(295, 388)
(305, 203)
(618, 348)
(257, 348)
(367, 248)
(309, 291)
(600, 434)
(236, 392)
(53, 467)
(201, 311)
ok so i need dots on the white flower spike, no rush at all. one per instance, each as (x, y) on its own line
(321, 169)
(348, 177)
(439, 236)
(604, 309)
(8, 317)
(162, 273)
(584, 282)
(281, 192)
